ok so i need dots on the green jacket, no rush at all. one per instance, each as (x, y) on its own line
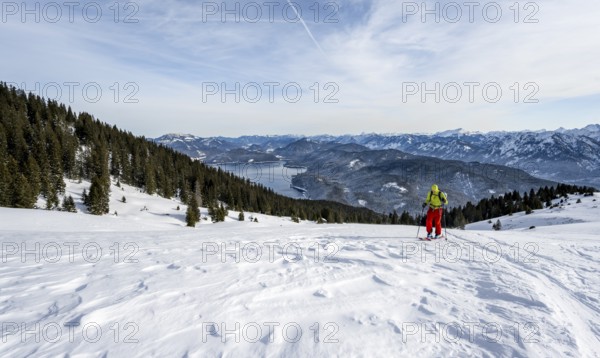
(435, 200)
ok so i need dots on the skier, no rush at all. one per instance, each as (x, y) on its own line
(436, 200)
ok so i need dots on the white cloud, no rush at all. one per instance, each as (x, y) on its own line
(368, 53)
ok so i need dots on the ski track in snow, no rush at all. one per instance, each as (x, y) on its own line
(375, 291)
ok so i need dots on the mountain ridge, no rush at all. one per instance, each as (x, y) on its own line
(569, 155)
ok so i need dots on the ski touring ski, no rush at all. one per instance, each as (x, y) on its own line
(432, 238)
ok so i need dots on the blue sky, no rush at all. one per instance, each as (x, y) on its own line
(360, 66)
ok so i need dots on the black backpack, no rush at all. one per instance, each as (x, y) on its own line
(440, 195)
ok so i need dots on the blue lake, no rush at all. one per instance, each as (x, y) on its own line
(274, 175)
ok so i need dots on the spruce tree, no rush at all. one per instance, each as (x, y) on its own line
(150, 178)
(32, 172)
(85, 198)
(212, 213)
(68, 204)
(99, 195)
(23, 196)
(5, 180)
(56, 180)
(5, 175)
(394, 218)
(192, 215)
(295, 218)
(52, 200)
(98, 198)
(497, 226)
(223, 212)
(98, 164)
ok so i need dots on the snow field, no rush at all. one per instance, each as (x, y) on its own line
(140, 284)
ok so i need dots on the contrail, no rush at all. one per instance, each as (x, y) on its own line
(306, 27)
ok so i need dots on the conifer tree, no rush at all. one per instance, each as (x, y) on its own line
(98, 164)
(5, 180)
(68, 204)
(223, 212)
(212, 213)
(5, 177)
(32, 172)
(23, 196)
(85, 198)
(52, 200)
(497, 226)
(150, 179)
(394, 218)
(56, 180)
(192, 215)
(99, 195)
(295, 217)
(98, 198)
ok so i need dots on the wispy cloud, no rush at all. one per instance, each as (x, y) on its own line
(368, 53)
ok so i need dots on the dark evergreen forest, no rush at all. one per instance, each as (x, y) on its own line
(42, 143)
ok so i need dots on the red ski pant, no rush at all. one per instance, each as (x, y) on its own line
(434, 216)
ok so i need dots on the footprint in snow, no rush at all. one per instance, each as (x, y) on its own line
(268, 338)
(395, 256)
(379, 256)
(75, 321)
(380, 280)
(322, 293)
(394, 326)
(426, 290)
(213, 330)
(173, 267)
(425, 310)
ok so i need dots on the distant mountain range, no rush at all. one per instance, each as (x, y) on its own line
(393, 171)
(571, 156)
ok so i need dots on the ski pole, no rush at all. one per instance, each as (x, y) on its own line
(445, 226)
(420, 219)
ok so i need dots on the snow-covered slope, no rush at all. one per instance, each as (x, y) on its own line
(575, 209)
(130, 215)
(141, 285)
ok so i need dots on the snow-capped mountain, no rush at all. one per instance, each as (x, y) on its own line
(223, 149)
(571, 156)
(565, 155)
(196, 147)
